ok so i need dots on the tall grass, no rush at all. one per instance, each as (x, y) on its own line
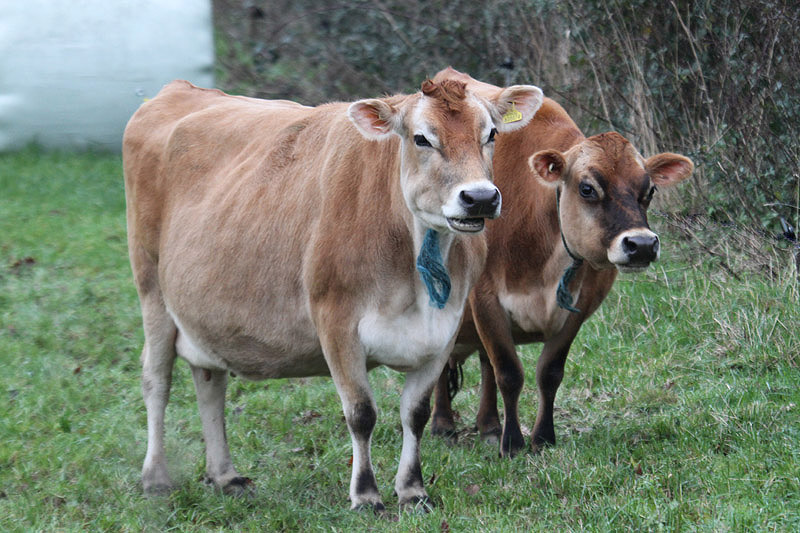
(679, 410)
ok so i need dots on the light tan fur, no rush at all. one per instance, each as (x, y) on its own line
(271, 239)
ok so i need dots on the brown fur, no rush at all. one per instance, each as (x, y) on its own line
(514, 300)
(450, 93)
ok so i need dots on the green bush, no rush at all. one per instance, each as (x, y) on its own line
(712, 80)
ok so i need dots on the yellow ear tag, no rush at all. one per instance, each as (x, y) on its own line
(512, 115)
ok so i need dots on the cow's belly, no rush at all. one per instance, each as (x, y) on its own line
(409, 340)
(535, 311)
(248, 355)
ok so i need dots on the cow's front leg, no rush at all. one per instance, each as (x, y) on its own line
(348, 366)
(494, 329)
(210, 386)
(415, 409)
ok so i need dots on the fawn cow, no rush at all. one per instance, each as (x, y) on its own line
(270, 239)
(575, 213)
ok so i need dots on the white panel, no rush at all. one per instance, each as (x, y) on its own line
(72, 72)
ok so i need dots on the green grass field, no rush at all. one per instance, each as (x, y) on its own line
(679, 409)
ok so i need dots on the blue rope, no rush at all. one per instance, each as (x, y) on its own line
(432, 271)
(563, 296)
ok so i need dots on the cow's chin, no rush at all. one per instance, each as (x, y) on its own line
(466, 225)
(629, 268)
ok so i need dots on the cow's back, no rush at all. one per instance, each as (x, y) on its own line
(224, 195)
(186, 140)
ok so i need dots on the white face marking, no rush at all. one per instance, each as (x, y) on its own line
(421, 127)
(617, 255)
(433, 186)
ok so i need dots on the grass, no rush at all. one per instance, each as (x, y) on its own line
(679, 410)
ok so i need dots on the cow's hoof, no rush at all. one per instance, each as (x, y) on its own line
(157, 490)
(450, 435)
(539, 447)
(375, 507)
(236, 486)
(156, 482)
(418, 504)
(443, 427)
(239, 486)
(491, 436)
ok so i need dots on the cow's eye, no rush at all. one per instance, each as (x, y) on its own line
(420, 140)
(491, 135)
(587, 191)
(651, 193)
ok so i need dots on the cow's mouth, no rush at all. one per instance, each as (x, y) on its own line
(632, 268)
(466, 225)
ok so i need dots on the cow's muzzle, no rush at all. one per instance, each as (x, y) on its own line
(635, 250)
(480, 202)
(469, 206)
(641, 249)
(474, 206)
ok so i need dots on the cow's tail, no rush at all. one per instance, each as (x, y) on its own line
(455, 378)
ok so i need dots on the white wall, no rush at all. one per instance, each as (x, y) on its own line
(72, 72)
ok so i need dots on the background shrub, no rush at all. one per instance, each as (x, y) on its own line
(712, 80)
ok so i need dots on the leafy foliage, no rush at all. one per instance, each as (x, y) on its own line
(712, 80)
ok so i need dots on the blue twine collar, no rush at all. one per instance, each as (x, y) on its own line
(564, 297)
(432, 271)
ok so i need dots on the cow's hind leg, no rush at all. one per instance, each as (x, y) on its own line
(488, 418)
(443, 423)
(210, 386)
(158, 359)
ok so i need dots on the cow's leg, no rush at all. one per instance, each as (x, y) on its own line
(415, 409)
(158, 359)
(210, 386)
(488, 419)
(495, 333)
(348, 367)
(443, 422)
(549, 373)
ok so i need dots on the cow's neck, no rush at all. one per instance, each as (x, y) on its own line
(431, 252)
(564, 295)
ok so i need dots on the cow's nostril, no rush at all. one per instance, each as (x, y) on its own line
(480, 202)
(467, 198)
(640, 248)
(629, 246)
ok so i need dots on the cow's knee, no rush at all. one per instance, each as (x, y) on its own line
(419, 417)
(362, 419)
(510, 380)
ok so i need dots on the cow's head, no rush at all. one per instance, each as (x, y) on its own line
(447, 140)
(605, 189)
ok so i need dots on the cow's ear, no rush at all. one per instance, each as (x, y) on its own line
(374, 118)
(668, 169)
(515, 106)
(548, 166)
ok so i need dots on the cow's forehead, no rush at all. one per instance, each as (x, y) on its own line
(433, 119)
(612, 156)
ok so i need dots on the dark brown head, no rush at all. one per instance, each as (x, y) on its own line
(605, 188)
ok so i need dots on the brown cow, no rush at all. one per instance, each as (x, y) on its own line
(540, 259)
(271, 239)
